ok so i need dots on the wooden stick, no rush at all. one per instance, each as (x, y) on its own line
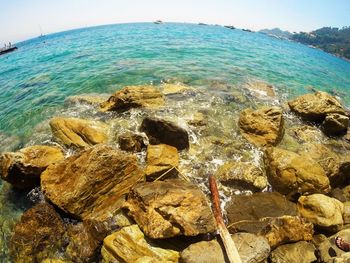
(230, 247)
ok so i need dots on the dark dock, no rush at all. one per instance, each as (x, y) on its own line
(7, 50)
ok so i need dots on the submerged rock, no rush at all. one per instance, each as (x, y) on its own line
(78, 132)
(22, 169)
(323, 211)
(294, 253)
(129, 245)
(290, 173)
(198, 120)
(90, 99)
(335, 124)
(263, 126)
(92, 183)
(160, 159)
(306, 133)
(261, 89)
(169, 208)
(131, 142)
(165, 132)
(134, 97)
(38, 235)
(171, 89)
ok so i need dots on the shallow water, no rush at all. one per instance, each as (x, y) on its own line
(218, 62)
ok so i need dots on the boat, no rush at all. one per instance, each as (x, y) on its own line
(247, 30)
(230, 27)
(158, 22)
(7, 50)
(202, 24)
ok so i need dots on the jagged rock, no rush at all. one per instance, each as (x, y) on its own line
(335, 124)
(170, 208)
(131, 142)
(263, 126)
(129, 245)
(251, 213)
(38, 235)
(323, 211)
(133, 97)
(22, 169)
(290, 173)
(171, 89)
(261, 89)
(242, 175)
(251, 248)
(294, 253)
(160, 131)
(78, 132)
(90, 99)
(91, 183)
(287, 229)
(160, 159)
(315, 106)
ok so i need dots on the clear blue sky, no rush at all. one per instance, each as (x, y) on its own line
(20, 19)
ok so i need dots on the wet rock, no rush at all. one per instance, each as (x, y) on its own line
(290, 173)
(131, 142)
(315, 106)
(203, 252)
(89, 99)
(198, 120)
(133, 97)
(38, 235)
(346, 213)
(130, 245)
(306, 133)
(251, 213)
(323, 211)
(92, 183)
(161, 159)
(78, 132)
(22, 169)
(294, 253)
(335, 124)
(170, 208)
(263, 126)
(164, 132)
(171, 89)
(242, 175)
(287, 229)
(54, 260)
(261, 89)
(8, 142)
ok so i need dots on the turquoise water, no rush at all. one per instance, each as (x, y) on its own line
(35, 80)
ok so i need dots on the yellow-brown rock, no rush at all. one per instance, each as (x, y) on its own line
(263, 126)
(131, 142)
(160, 159)
(90, 99)
(171, 89)
(22, 169)
(129, 245)
(78, 132)
(133, 97)
(91, 183)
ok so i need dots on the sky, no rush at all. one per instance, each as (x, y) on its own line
(22, 19)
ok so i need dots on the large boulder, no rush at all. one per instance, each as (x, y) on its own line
(242, 175)
(131, 142)
(335, 124)
(133, 97)
(315, 106)
(161, 159)
(323, 211)
(38, 235)
(91, 183)
(22, 169)
(129, 245)
(78, 132)
(294, 253)
(290, 173)
(263, 126)
(170, 208)
(165, 132)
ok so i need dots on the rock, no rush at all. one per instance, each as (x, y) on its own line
(54, 260)
(294, 253)
(261, 89)
(251, 248)
(38, 235)
(133, 97)
(129, 245)
(78, 132)
(161, 131)
(90, 99)
(160, 159)
(91, 183)
(169, 208)
(198, 120)
(290, 173)
(171, 89)
(335, 124)
(242, 175)
(323, 211)
(131, 142)
(287, 229)
(315, 106)
(248, 212)
(346, 213)
(306, 133)
(22, 169)
(263, 126)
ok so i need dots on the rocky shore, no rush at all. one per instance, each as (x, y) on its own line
(126, 180)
